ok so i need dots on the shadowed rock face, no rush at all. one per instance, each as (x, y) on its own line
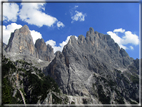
(74, 68)
(45, 52)
(21, 42)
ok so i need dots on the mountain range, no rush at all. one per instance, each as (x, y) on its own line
(89, 70)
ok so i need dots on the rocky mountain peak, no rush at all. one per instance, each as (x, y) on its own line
(90, 33)
(21, 42)
(40, 45)
(89, 70)
(72, 40)
(91, 30)
(45, 52)
(81, 58)
(24, 29)
(81, 39)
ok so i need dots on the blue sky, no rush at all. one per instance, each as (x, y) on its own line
(56, 22)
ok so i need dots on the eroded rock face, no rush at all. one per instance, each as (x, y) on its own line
(91, 69)
(94, 66)
(21, 42)
(45, 52)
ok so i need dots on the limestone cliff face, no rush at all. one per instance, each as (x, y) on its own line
(89, 70)
(21, 42)
(45, 52)
(95, 66)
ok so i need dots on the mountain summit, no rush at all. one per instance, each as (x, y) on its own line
(94, 66)
(21, 42)
(89, 70)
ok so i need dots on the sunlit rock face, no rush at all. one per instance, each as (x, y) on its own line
(21, 42)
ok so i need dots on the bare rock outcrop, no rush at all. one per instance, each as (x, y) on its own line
(21, 42)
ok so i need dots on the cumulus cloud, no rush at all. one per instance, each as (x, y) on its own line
(127, 38)
(61, 45)
(60, 24)
(33, 14)
(35, 35)
(7, 30)
(10, 11)
(79, 16)
(130, 38)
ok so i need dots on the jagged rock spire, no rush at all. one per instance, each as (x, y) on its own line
(21, 42)
(45, 52)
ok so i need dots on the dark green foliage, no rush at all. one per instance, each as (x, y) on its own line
(56, 99)
(133, 77)
(102, 97)
(66, 100)
(132, 102)
(19, 97)
(6, 66)
(111, 83)
(40, 87)
(6, 92)
(72, 102)
(118, 71)
(108, 82)
(119, 100)
(84, 101)
(95, 75)
(38, 83)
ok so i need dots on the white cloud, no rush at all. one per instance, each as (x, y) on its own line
(114, 36)
(35, 35)
(10, 11)
(60, 24)
(61, 45)
(32, 14)
(119, 30)
(7, 30)
(128, 38)
(79, 16)
(131, 47)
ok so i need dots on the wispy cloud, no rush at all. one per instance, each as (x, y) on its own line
(131, 47)
(119, 30)
(60, 24)
(128, 38)
(77, 15)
